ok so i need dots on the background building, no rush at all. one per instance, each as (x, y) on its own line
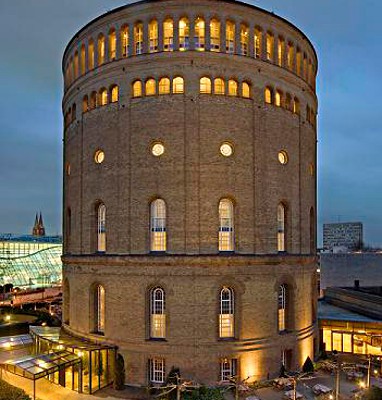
(343, 234)
(190, 189)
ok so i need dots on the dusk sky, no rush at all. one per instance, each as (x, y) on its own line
(345, 33)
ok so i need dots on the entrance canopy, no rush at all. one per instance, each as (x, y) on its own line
(37, 366)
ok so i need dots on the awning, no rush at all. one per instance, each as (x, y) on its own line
(37, 366)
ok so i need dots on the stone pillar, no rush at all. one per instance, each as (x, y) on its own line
(86, 43)
(192, 31)
(264, 44)
(223, 47)
(176, 32)
(207, 32)
(237, 38)
(107, 55)
(118, 42)
(146, 39)
(251, 40)
(131, 40)
(160, 35)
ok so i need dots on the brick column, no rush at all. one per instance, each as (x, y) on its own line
(207, 32)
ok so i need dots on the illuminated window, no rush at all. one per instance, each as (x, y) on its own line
(83, 60)
(268, 95)
(230, 37)
(112, 45)
(215, 34)
(296, 106)
(199, 34)
(184, 34)
(337, 341)
(246, 90)
(138, 38)
(305, 67)
(156, 370)
(278, 98)
(100, 309)
(232, 88)
(226, 149)
(101, 228)
(244, 40)
(158, 225)
(137, 89)
(270, 46)
(91, 54)
(168, 35)
(205, 85)
(99, 157)
(310, 72)
(227, 313)
(219, 86)
(290, 56)
(228, 367)
(178, 85)
(93, 100)
(258, 42)
(281, 227)
(153, 36)
(68, 169)
(298, 62)
(101, 49)
(125, 41)
(280, 52)
(157, 313)
(103, 97)
(157, 149)
(327, 339)
(283, 157)
(226, 227)
(164, 86)
(288, 102)
(76, 66)
(151, 87)
(114, 92)
(281, 309)
(311, 169)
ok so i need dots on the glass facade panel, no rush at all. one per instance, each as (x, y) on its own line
(337, 341)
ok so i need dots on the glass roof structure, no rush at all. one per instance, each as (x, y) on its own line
(37, 366)
(28, 261)
(9, 343)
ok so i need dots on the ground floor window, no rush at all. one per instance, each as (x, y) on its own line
(156, 370)
(227, 369)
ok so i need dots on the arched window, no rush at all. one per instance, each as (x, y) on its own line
(93, 100)
(281, 227)
(298, 62)
(164, 86)
(157, 313)
(288, 102)
(205, 85)
(226, 226)
(99, 312)
(268, 95)
(281, 309)
(312, 233)
(290, 57)
(232, 87)
(153, 36)
(219, 86)
(76, 65)
(200, 34)
(246, 90)
(138, 38)
(114, 93)
(112, 44)
(158, 225)
(91, 55)
(215, 34)
(101, 228)
(270, 47)
(278, 98)
(66, 293)
(101, 49)
(83, 60)
(137, 89)
(280, 51)
(151, 87)
(178, 85)
(184, 34)
(103, 97)
(230, 37)
(227, 313)
(168, 35)
(258, 42)
(244, 40)
(125, 41)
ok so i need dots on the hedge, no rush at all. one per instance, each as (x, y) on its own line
(9, 392)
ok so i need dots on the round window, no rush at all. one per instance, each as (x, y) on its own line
(157, 149)
(226, 149)
(283, 157)
(99, 157)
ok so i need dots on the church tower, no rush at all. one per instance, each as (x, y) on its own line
(38, 228)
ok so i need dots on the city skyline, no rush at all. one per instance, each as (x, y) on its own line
(31, 117)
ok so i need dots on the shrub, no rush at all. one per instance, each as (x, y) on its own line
(308, 366)
(9, 392)
(204, 393)
(374, 393)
